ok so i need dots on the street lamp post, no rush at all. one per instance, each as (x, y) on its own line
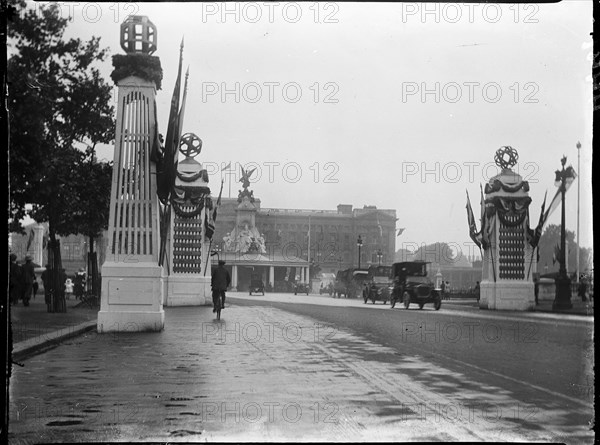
(562, 297)
(359, 243)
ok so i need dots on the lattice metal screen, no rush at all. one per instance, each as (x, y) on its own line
(187, 243)
(511, 249)
(132, 221)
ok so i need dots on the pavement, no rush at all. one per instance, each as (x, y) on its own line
(34, 329)
(261, 373)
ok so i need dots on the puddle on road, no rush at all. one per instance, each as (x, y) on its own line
(64, 422)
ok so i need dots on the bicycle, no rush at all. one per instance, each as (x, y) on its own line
(219, 303)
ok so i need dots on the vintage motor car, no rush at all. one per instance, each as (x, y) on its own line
(301, 288)
(412, 285)
(256, 285)
(378, 284)
(326, 289)
(339, 286)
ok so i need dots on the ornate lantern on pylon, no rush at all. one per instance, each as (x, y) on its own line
(138, 35)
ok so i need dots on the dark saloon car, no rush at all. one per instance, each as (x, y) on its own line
(256, 285)
(301, 288)
(412, 285)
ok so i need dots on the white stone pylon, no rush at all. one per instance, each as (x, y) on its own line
(132, 282)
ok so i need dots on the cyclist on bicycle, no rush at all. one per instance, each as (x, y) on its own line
(219, 283)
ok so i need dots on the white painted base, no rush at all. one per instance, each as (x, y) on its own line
(547, 290)
(132, 297)
(188, 290)
(507, 296)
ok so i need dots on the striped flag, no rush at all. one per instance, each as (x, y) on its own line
(537, 234)
(168, 163)
(174, 128)
(209, 224)
(570, 175)
(209, 221)
(485, 239)
(476, 237)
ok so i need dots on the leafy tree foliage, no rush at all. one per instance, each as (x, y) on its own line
(57, 100)
(441, 254)
(58, 103)
(549, 240)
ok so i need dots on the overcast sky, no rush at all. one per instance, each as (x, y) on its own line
(330, 104)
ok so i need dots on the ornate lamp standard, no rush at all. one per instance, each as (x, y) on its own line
(379, 255)
(359, 243)
(562, 298)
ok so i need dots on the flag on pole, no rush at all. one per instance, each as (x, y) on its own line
(570, 177)
(476, 237)
(168, 164)
(537, 234)
(211, 218)
(484, 229)
(174, 128)
(31, 238)
(400, 231)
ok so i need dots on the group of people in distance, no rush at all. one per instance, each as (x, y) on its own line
(23, 284)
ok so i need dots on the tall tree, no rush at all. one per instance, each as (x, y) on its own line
(58, 102)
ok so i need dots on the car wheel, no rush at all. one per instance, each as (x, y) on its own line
(406, 300)
(437, 304)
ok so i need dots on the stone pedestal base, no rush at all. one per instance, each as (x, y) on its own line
(132, 298)
(188, 290)
(507, 296)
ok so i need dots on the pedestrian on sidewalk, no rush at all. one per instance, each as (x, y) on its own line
(36, 287)
(47, 281)
(28, 279)
(16, 280)
(80, 284)
(69, 288)
(582, 289)
(220, 281)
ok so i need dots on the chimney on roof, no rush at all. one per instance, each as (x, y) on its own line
(345, 209)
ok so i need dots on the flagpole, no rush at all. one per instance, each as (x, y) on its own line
(307, 279)
(229, 181)
(578, 193)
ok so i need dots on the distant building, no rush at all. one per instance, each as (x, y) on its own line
(291, 251)
(333, 239)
